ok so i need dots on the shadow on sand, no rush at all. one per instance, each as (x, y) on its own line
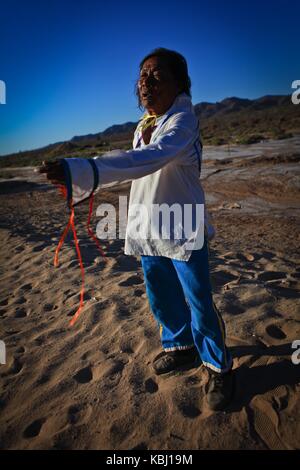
(257, 380)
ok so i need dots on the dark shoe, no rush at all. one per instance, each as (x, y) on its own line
(169, 361)
(220, 390)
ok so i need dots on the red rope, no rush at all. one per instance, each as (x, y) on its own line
(60, 243)
(77, 313)
(71, 224)
(89, 229)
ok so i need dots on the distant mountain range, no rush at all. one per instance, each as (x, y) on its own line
(232, 120)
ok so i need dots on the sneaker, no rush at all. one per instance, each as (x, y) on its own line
(220, 390)
(168, 361)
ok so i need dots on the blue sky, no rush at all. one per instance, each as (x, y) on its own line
(70, 66)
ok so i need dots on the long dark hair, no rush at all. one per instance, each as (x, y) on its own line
(176, 64)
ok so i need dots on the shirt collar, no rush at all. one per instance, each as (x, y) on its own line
(181, 103)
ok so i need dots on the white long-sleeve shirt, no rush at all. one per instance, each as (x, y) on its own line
(164, 172)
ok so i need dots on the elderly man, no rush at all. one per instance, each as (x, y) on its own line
(164, 167)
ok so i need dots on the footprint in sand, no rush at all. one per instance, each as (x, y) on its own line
(116, 368)
(151, 386)
(271, 276)
(275, 332)
(84, 375)
(120, 430)
(192, 380)
(274, 314)
(222, 277)
(40, 340)
(231, 304)
(139, 293)
(79, 413)
(131, 281)
(20, 313)
(74, 414)
(187, 403)
(14, 369)
(121, 312)
(265, 421)
(12, 332)
(4, 302)
(34, 428)
(234, 309)
(26, 287)
(20, 301)
(126, 347)
(278, 290)
(268, 255)
(50, 307)
(149, 333)
(19, 249)
(44, 378)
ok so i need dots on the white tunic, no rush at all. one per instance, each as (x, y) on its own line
(164, 172)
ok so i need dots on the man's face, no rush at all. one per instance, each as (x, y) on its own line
(157, 86)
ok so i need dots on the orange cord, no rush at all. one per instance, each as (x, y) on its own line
(71, 225)
(77, 313)
(89, 229)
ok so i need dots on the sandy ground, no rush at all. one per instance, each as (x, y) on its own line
(92, 386)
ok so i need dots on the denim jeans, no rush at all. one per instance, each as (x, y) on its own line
(180, 298)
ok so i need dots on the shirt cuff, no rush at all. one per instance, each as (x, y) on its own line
(81, 179)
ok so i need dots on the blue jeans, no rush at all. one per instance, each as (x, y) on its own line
(180, 298)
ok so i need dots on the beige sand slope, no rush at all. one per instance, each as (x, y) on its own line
(92, 386)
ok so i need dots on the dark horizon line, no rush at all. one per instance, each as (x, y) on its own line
(100, 132)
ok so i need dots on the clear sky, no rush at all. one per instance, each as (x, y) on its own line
(70, 66)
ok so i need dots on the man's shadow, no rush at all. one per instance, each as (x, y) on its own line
(252, 381)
